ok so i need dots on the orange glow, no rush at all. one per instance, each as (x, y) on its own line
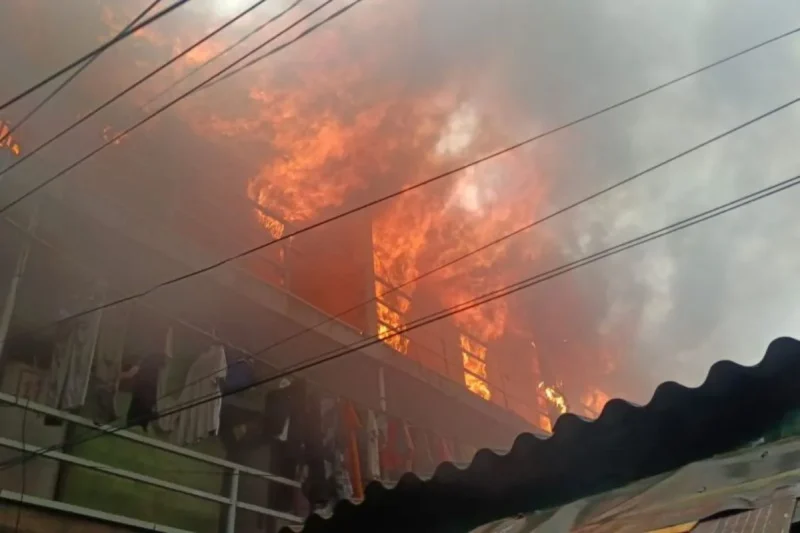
(398, 342)
(554, 397)
(473, 357)
(477, 386)
(594, 399)
(328, 125)
(8, 140)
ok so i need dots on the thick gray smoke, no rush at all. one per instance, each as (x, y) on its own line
(667, 310)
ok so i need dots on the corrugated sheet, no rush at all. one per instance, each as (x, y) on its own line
(680, 425)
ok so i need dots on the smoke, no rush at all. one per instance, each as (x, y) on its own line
(396, 72)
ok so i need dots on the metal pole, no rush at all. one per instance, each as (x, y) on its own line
(19, 270)
(234, 496)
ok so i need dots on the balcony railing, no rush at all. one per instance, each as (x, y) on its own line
(230, 500)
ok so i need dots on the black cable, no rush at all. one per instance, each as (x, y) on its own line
(137, 84)
(171, 103)
(470, 253)
(469, 304)
(74, 75)
(102, 48)
(265, 55)
(518, 231)
(219, 54)
(380, 200)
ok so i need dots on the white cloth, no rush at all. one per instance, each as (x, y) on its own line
(202, 383)
(373, 447)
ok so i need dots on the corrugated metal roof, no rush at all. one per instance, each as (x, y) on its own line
(754, 487)
(679, 425)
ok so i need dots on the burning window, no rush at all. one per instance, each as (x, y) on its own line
(269, 263)
(391, 309)
(273, 226)
(473, 357)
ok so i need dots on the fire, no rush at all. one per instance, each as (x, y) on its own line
(328, 125)
(473, 356)
(594, 399)
(554, 397)
(9, 141)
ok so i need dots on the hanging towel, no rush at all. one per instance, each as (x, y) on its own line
(352, 425)
(442, 451)
(73, 355)
(373, 447)
(202, 382)
(108, 361)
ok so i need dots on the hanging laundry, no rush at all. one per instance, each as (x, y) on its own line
(352, 425)
(424, 463)
(108, 362)
(240, 375)
(142, 380)
(373, 447)
(442, 449)
(397, 451)
(203, 381)
(334, 443)
(68, 380)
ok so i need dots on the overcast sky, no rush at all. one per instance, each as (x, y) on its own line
(721, 290)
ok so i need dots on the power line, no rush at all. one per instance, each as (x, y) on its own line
(100, 49)
(395, 194)
(219, 54)
(74, 75)
(493, 155)
(135, 85)
(278, 48)
(171, 103)
(463, 306)
(517, 231)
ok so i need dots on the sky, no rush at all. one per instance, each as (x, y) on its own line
(720, 290)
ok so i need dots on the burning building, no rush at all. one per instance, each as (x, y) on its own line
(328, 128)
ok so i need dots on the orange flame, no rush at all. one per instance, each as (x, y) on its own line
(8, 140)
(554, 397)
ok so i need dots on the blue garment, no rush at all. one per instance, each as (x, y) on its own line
(240, 375)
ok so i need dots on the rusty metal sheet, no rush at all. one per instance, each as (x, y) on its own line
(774, 518)
(695, 508)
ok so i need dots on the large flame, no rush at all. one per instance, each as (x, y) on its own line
(328, 125)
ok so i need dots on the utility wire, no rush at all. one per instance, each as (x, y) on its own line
(137, 84)
(265, 55)
(219, 54)
(463, 306)
(171, 103)
(513, 233)
(100, 49)
(493, 155)
(74, 75)
(390, 196)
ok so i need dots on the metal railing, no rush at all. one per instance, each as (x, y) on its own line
(231, 500)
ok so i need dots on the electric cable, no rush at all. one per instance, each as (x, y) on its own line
(171, 103)
(468, 254)
(137, 84)
(74, 75)
(436, 178)
(469, 304)
(102, 48)
(519, 230)
(218, 55)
